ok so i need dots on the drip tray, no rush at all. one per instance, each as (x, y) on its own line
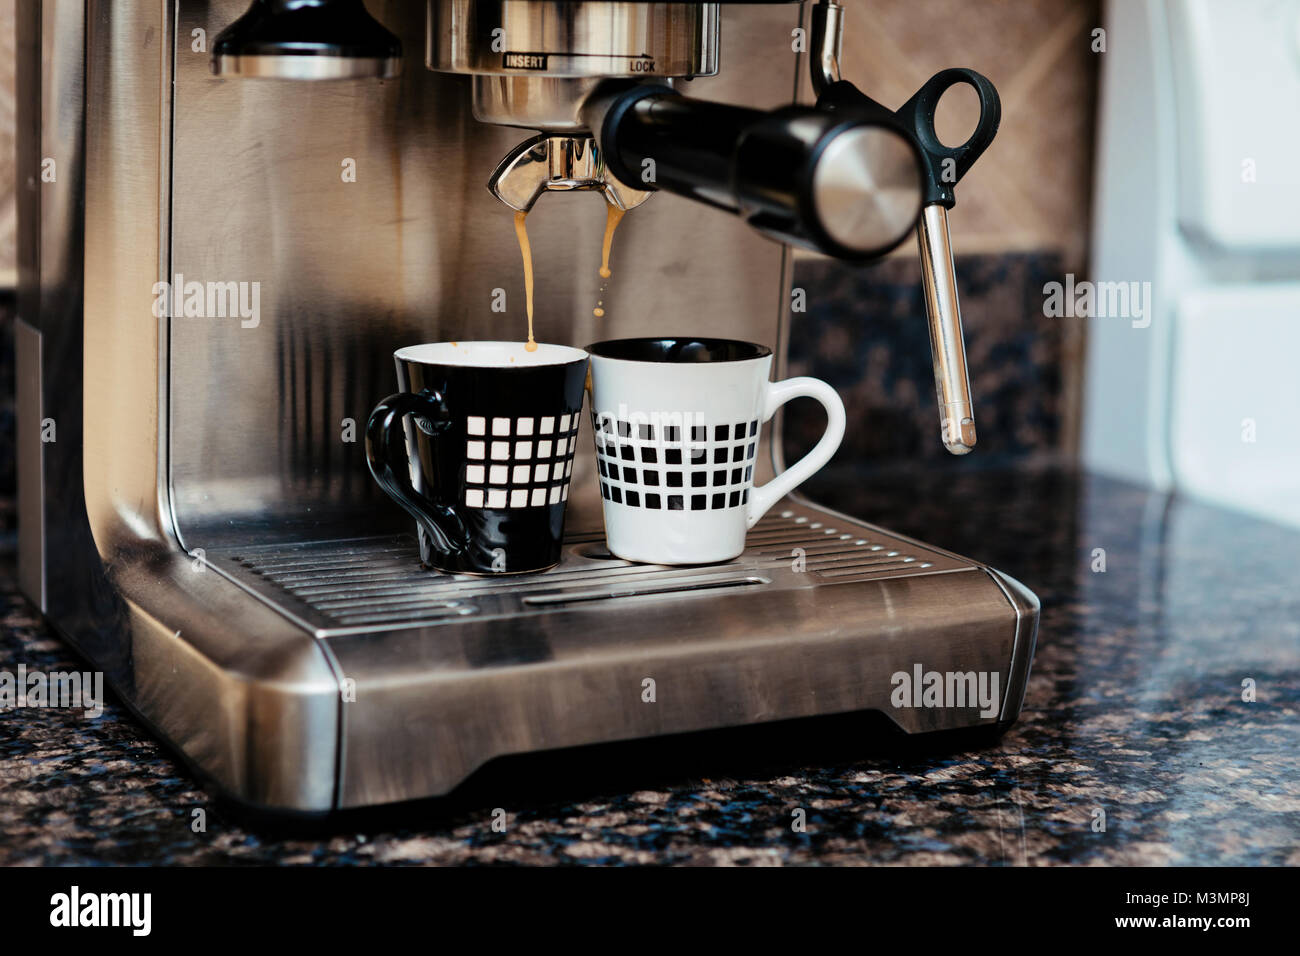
(437, 674)
(376, 584)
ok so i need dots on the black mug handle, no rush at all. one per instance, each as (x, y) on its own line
(387, 456)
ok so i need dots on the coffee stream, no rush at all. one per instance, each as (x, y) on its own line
(613, 216)
(521, 232)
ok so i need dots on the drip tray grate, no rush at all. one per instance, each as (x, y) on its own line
(377, 584)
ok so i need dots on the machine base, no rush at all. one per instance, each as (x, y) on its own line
(337, 675)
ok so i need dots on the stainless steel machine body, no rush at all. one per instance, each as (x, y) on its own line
(204, 528)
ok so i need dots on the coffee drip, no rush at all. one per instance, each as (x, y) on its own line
(521, 233)
(613, 216)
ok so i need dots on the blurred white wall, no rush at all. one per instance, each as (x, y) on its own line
(1197, 204)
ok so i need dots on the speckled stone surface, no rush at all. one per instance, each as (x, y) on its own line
(865, 332)
(1134, 708)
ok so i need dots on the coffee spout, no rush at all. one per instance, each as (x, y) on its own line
(561, 164)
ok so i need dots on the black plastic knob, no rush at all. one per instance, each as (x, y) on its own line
(307, 40)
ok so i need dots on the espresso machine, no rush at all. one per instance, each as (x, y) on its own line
(256, 205)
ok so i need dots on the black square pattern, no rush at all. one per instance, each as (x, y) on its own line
(703, 467)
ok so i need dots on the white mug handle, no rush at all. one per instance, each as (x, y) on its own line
(778, 393)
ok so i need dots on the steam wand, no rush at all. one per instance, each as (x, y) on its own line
(943, 167)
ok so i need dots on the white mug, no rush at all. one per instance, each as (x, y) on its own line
(676, 424)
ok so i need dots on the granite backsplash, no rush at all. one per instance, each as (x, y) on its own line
(865, 333)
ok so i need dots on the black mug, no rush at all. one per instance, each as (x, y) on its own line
(484, 455)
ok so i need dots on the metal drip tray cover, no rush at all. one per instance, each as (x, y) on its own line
(442, 673)
(377, 584)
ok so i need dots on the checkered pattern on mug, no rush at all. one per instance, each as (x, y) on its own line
(675, 467)
(519, 462)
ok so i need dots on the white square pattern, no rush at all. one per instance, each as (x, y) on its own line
(508, 464)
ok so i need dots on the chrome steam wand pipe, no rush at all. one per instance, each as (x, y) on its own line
(943, 314)
(827, 43)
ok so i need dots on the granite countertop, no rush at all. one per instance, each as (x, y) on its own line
(1134, 708)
